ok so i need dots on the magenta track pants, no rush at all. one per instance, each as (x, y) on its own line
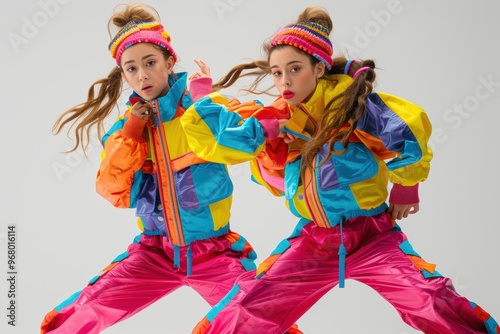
(306, 266)
(141, 276)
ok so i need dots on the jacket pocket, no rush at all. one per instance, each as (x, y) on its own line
(356, 164)
(147, 199)
(202, 184)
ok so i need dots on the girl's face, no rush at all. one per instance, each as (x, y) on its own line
(293, 74)
(146, 70)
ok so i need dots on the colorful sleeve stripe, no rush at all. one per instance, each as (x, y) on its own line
(202, 326)
(265, 265)
(44, 327)
(240, 244)
(70, 300)
(222, 303)
(218, 135)
(491, 325)
(108, 268)
(428, 270)
(49, 317)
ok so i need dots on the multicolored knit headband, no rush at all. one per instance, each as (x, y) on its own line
(139, 32)
(310, 37)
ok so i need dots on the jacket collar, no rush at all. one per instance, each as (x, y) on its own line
(305, 117)
(169, 102)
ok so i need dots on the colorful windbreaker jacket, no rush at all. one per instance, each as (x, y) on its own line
(174, 192)
(389, 144)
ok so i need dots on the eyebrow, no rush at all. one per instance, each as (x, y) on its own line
(132, 61)
(289, 63)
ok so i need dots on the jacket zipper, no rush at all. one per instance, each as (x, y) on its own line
(166, 182)
(312, 199)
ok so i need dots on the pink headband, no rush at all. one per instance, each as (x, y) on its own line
(361, 69)
(309, 37)
(139, 32)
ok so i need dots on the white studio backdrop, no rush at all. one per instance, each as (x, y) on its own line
(442, 55)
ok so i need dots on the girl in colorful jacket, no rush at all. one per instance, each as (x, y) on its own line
(182, 201)
(340, 144)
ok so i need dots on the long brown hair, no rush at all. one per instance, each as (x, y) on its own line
(341, 114)
(92, 113)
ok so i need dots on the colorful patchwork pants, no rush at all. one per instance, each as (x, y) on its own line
(305, 267)
(146, 273)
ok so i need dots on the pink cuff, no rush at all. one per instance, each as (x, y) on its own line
(199, 87)
(404, 195)
(134, 126)
(271, 127)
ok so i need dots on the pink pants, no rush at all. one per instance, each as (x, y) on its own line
(305, 266)
(142, 276)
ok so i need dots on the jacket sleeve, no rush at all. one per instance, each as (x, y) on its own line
(199, 87)
(124, 154)
(404, 129)
(225, 131)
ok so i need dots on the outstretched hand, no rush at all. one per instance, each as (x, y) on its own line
(400, 211)
(204, 70)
